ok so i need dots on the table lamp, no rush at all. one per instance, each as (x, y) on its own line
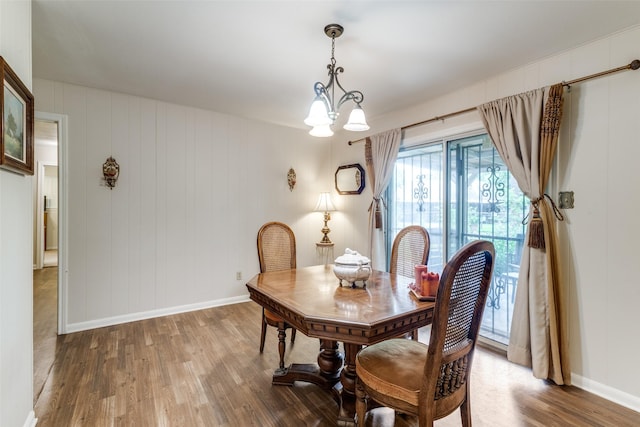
(325, 205)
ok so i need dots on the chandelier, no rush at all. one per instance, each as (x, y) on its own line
(324, 110)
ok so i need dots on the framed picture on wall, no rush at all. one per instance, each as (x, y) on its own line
(16, 126)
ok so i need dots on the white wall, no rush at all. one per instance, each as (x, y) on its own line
(16, 225)
(194, 188)
(598, 160)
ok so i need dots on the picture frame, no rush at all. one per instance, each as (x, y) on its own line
(16, 122)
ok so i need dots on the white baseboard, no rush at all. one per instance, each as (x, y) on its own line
(621, 398)
(31, 420)
(116, 320)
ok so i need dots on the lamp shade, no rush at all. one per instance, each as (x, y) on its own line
(357, 120)
(321, 131)
(324, 203)
(318, 115)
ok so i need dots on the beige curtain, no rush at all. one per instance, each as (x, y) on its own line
(381, 152)
(524, 129)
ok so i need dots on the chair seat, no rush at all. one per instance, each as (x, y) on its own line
(272, 318)
(383, 367)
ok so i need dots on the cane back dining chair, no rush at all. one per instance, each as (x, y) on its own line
(276, 251)
(410, 248)
(431, 381)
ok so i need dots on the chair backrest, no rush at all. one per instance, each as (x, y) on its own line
(276, 247)
(410, 248)
(460, 302)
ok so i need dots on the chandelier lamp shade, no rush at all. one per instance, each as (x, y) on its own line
(324, 109)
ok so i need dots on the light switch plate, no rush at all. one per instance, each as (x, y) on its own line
(565, 200)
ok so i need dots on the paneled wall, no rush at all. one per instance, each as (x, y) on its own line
(598, 160)
(16, 267)
(182, 220)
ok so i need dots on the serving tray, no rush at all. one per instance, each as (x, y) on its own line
(418, 295)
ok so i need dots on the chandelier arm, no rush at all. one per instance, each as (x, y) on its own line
(320, 89)
(354, 95)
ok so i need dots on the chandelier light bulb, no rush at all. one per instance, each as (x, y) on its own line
(317, 114)
(357, 121)
(322, 131)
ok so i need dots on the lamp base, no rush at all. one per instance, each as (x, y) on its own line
(325, 230)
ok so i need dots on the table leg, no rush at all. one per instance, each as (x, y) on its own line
(324, 374)
(330, 360)
(332, 372)
(282, 344)
(345, 390)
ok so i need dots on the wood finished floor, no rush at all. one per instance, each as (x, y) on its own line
(203, 369)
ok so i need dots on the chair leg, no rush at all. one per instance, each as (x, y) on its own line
(282, 336)
(465, 410)
(361, 404)
(263, 333)
(414, 335)
(293, 335)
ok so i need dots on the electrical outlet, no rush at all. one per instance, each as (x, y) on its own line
(238, 275)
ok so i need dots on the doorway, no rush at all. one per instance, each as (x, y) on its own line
(48, 244)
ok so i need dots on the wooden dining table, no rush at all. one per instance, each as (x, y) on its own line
(312, 300)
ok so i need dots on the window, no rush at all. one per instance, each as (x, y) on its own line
(460, 190)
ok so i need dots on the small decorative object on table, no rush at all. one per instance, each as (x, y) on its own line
(425, 286)
(418, 270)
(430, 283)
(352, 267)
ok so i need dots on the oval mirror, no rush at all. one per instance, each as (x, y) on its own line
(350, 179)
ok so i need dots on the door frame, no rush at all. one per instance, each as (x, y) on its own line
(63, 214)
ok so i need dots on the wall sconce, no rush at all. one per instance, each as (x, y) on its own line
(111, 170)
(291, 179)
(325, 205)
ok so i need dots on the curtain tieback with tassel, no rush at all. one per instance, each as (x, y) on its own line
(377, 212)
(536, 226)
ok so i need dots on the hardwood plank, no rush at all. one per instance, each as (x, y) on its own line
(203, 369)
(45, 326)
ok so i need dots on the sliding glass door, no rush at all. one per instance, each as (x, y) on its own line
(460, 190)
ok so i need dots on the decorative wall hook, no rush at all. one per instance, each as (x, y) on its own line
(291, 179)
(111, 170)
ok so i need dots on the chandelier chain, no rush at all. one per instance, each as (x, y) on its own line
(333, 49)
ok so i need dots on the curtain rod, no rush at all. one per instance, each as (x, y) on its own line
(633, 65)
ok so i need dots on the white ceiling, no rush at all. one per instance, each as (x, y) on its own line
(259, 59)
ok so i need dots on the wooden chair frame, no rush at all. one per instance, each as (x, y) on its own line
(273, 256)
(444, 385)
